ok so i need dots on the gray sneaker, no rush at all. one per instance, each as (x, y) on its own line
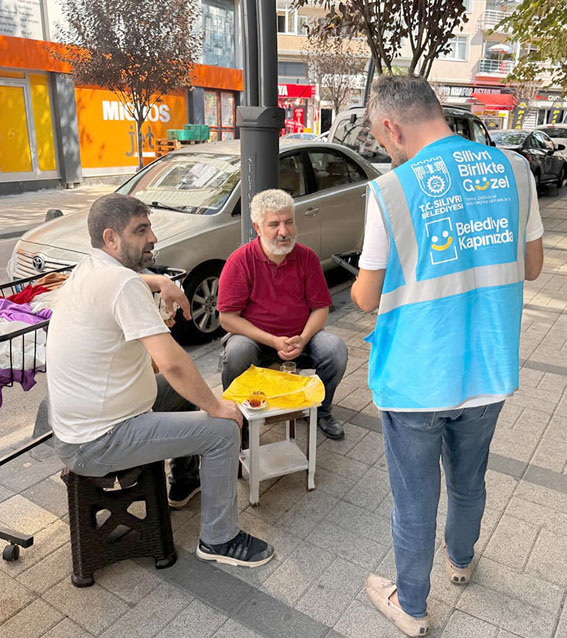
(244, 550)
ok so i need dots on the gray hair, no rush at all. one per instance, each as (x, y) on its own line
(113, 211)
(409, 97)
(273, 199)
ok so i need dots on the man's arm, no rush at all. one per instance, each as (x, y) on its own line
(182, 375)
(170, 293)
(534, 259)
(367, 289)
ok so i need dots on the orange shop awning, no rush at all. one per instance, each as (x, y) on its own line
(496, 101)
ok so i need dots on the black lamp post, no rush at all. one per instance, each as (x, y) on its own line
(260, 119)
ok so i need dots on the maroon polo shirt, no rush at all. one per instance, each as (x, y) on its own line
(275, 298)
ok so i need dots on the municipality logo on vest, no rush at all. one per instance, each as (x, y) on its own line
(440, 233)
(433, 176)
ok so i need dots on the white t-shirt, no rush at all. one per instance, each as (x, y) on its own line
(376, 248)
(377, 241)
(98, 371)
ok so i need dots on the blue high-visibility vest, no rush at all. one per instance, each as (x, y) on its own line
(448, 325)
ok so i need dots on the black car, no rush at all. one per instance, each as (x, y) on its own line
(539, 149)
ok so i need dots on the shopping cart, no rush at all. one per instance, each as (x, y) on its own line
(24, 350)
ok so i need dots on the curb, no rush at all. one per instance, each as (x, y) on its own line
(17, 232)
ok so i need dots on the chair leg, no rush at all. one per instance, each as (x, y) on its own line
(82, 581)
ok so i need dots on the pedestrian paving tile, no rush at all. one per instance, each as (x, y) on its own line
(328, 540)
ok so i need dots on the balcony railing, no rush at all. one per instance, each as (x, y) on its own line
(497, 68)
(490, 18)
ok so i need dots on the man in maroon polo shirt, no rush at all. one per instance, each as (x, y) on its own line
(274, 302)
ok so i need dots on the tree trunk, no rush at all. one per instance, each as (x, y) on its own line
(140, 140)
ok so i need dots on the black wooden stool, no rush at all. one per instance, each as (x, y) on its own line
(137, 519)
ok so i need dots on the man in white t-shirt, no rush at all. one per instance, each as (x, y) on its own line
(103, 335)
(451, 233)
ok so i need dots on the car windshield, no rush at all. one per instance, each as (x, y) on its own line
(509, 138)
(555, 132)
(196, 183)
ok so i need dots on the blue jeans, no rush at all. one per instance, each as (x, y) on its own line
(326, 352)
(414, 443)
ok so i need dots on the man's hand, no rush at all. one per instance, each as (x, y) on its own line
(172, 294)
(226, 410)
(294, 347)
(279, 344)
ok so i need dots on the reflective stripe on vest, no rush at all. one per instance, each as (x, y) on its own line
(403, 235)
(449, 318)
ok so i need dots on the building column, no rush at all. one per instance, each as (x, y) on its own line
(66, 128)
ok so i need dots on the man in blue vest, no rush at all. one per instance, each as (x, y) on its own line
(450, 236)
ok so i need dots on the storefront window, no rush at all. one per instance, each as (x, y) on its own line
(211, 113)
(218, 33)
(27, 144)
(16, 155)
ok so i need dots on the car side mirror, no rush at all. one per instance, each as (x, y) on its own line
(560, 147)
(53, 213)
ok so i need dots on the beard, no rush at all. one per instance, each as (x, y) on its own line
(134, 259)
(398, 156)
(277, 248)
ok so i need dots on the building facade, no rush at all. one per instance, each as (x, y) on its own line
(56, 133)
(472, 75)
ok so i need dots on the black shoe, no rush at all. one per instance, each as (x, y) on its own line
(182, 491)
(244, 549)
(330, 427)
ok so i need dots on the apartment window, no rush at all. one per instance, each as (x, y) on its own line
(218, 33)
(292, 69)
(302, 25)
(289, 21)
(459, 46)
(468, 5)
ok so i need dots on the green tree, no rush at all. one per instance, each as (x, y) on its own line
(541, 26)
(139, 50)
(425, 26)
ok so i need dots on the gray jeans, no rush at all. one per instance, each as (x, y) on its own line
(154, 436)
(326, 352)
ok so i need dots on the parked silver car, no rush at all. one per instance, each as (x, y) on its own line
(558, 133)
(195, 196)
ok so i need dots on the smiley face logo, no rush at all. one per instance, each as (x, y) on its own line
(435, 239)
(440, 244)
(481, 185)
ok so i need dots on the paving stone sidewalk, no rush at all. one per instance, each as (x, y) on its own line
(329, 539)
(19, 213)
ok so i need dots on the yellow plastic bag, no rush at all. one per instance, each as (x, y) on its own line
(282, 390)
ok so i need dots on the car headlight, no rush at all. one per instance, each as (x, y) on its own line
(12, 263)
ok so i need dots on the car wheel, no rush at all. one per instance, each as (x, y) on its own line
(201, 288)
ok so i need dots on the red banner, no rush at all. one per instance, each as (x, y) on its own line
(296, 90)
